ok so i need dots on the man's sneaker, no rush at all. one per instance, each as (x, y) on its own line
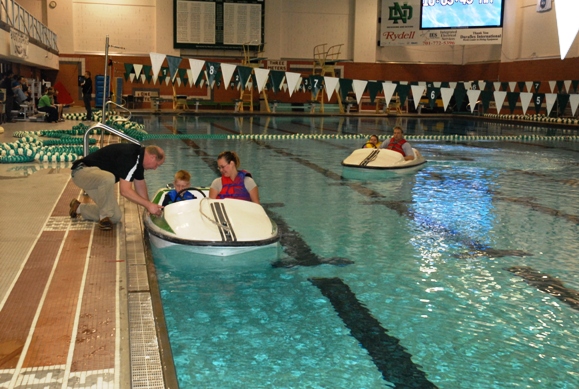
(74, 203)
(106, 224)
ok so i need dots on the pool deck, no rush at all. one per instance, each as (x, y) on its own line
(75, 303)
(78, 306)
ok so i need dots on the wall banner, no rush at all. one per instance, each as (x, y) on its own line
(400, 26)
(18, 44)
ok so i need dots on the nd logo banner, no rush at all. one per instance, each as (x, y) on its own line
(398, 12)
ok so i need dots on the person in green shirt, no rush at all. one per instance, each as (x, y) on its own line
(45, 105)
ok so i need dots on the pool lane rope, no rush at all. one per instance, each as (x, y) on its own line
(67, 145)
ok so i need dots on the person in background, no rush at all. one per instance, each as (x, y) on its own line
(87, 94)
(372, 143)
(234, 183)
(9, 102)
(60, 107)
(45, 105)
(399, 144)
(181, 182)
(98, 172)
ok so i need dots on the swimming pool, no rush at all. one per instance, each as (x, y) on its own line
(450, 267)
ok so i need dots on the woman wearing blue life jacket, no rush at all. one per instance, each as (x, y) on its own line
(233, 184)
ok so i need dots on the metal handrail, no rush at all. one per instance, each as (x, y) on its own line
(105, 128)
(110, 102)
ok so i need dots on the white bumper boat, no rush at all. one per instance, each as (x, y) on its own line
(377, 163)
(211, 227)
(384, 159)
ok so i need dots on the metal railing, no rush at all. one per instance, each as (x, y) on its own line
(15, 16)
(104, 128)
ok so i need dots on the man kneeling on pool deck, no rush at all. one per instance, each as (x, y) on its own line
(97, 174)
(399, 144)
(181, 182)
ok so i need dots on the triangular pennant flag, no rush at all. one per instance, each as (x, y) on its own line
(499, 99)
(529, 85)
(330, 83)
(146, 74)
(138, 70)
(227, 71)
(472, 85)
(560, 84)
(562, 101)
(512, 98)
(437, 84)
(359, 87)
(244, 73)
(566, 12)
(574, 100)
(538, 99)
(277, 77)
(174, 63)
(196, 66)
(567, 86)
(574, 85)
(155, 78)
(497, 85)
(181, 75)
(293, 80)
(260, 78)
(432, 93)
(482, 85)
(156, 62)
(374, 87)
(473, 95)
(486, 96)
(512, 86)
(445, 84)
(403, 90)
(536, 86)
(132, 77)
(128, 70)
(389, 89)
(211, 70)
(525, 100)
(459, 94)
(552, 85)
(178, 79)
(316, 83)
(521, 85)
(446, 94)
(417, 92)
(550, 98)
(345, 87)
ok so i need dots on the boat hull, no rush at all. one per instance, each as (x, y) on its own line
(381, 159)
(211, 227)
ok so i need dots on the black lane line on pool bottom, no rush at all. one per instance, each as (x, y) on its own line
(391, 359)
(546, 283)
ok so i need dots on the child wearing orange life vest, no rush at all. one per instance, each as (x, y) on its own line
(372, 143)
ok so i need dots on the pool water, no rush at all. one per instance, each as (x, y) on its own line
(418, 280)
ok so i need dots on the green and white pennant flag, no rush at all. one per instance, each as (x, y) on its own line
(550, 98)
(293, 81)
(574, 101)
(156, 63)
(138, 70)
(417, 92)
(331, 84)
(446, 95)
(566, 13)
(472, 95)
(195, 68)
(227, 71)
(359, 86)
(389, 88)
(525, 100)
(499, 99)
(174, 63)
